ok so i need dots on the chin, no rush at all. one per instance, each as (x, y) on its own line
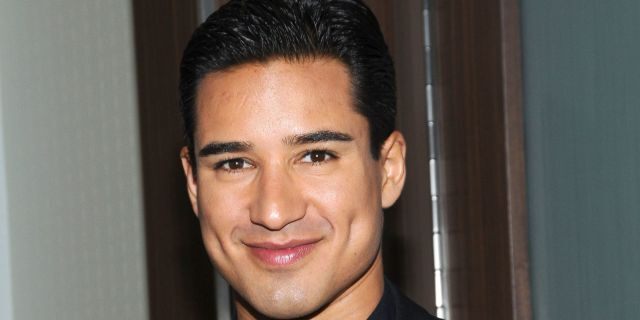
(291, 303)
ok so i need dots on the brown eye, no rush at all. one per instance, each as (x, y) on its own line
(236, 164)
(317, 156)
(233, 165)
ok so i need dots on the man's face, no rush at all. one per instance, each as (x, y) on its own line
(288, 195)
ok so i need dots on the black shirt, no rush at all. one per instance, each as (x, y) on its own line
(395, 306)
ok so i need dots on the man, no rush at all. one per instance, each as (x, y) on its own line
(291, 156)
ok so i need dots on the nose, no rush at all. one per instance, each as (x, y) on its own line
(278, 201)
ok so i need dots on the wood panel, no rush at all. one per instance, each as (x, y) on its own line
(478, 92)
(180, 277)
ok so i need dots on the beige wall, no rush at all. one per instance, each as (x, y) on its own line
(71, 156)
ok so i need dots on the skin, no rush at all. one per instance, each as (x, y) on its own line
(283, 156)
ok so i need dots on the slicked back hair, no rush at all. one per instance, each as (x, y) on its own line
(250, 31)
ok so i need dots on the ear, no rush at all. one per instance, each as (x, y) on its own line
(392, 157)
(192, 185)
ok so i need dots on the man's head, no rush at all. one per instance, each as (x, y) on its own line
(259, 31)
(289, 115)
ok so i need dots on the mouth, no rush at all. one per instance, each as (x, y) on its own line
(284, 254)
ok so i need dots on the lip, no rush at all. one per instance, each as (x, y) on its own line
(282, 254)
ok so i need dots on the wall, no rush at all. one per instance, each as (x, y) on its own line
(71, 158)
(582, 105)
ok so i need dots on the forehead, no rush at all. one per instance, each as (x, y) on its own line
(277, 98)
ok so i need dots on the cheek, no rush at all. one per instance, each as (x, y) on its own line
(349, 201)
(351, 205)
(220, 215)
(221, 210)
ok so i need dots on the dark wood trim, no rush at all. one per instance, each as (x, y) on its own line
(514, 146)
(179, 274)
(479, 108)
(408, 243)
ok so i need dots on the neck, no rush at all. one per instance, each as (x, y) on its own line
(356, 302)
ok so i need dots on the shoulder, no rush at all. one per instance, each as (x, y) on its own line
(405, 307)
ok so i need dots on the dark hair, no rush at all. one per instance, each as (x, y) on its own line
(244, 31)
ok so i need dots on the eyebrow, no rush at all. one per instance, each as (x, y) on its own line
(216, 148)
(318, 136)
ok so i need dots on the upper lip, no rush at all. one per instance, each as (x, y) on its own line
(281, 245)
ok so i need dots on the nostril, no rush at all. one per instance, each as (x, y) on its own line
(275, 215)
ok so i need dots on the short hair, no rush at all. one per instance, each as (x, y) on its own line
(246, 31)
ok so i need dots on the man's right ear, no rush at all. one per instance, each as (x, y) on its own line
(192, 186)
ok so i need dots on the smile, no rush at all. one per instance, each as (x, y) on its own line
(281, 255)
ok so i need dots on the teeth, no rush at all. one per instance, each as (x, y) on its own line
(284, 259)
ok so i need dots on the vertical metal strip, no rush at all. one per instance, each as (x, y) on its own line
(6, 298)
(223, 297)
(440, 284)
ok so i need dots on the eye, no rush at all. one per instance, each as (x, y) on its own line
(233, 164)
(317, 156)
